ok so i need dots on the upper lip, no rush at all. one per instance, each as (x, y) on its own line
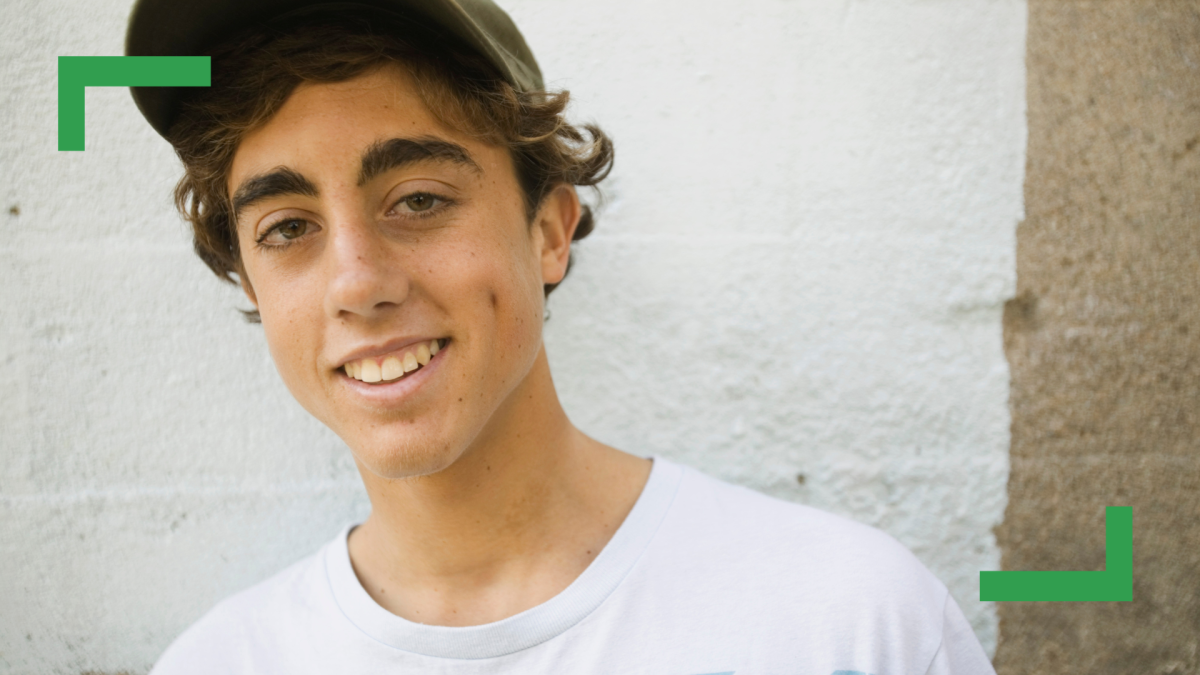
(375, 351)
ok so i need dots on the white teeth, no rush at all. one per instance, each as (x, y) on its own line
(392, 368)
(370, 371)
(410, 362)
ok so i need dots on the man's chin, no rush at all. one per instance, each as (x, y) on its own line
(398, 461)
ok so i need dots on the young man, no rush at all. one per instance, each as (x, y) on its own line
(395, 193)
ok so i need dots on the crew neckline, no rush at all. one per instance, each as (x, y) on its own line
(526, 629)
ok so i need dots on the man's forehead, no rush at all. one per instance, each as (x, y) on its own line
(375, 120)
(385, 95)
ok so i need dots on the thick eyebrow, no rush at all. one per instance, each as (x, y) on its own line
(281, 181)
(397, 152)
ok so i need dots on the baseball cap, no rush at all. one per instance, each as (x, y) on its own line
(191, 28)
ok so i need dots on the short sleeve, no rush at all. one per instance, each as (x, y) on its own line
(960, 652)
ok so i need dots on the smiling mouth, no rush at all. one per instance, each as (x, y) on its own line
(394, 366)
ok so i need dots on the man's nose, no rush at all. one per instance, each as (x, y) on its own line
(366, 277)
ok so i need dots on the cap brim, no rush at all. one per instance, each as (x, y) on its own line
(173, 28)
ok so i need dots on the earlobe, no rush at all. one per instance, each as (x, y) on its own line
(557, 219)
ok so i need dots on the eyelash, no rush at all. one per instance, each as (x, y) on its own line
(443, 202)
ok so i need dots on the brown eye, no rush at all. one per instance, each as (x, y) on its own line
(292, 228)
(419, 202)
(287, 230)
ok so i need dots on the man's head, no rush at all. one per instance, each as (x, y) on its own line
(378, 193)
(257, 71)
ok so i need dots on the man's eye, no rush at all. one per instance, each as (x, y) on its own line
(419, 202)
(292, 229)
(287, 231)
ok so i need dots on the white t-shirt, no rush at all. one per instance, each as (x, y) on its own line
(702, 578)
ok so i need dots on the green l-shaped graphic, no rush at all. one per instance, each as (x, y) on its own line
(77, 72)
(1115, 583)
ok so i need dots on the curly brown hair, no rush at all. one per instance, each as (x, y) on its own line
(254, 74)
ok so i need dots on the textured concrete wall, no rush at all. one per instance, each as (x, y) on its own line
(797, 284)
(1104, 336)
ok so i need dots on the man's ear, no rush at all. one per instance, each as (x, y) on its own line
(557, 219)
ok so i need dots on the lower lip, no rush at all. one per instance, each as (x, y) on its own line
(385, 393)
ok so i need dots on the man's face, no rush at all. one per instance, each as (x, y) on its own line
(372, 236)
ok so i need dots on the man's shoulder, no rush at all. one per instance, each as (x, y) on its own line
(227, 636)
(779, 569)
(753, 531)
(802, 584)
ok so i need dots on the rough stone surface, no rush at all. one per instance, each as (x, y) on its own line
(796, 284)
(1104, 336)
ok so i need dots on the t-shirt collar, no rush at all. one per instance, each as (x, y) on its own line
(531, 627)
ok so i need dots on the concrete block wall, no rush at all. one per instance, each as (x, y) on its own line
(796, 284)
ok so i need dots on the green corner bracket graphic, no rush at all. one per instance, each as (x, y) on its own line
(1114, 584)
(77, 72)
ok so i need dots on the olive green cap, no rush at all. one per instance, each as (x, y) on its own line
(192, 27)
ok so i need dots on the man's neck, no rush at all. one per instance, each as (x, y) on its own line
(506, 527)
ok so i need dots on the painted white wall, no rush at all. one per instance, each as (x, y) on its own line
(801, 268)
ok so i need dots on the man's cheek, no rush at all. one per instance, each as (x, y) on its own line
(288, 343)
